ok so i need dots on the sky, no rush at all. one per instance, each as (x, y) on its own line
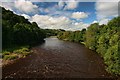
(70, 15)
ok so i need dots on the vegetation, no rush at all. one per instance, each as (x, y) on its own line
(77, 36)
(14, 53)
(104, 39)
(15, 30)
(18, 32)
(52, 32)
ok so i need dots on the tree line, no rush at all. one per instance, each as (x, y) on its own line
(16, 30)
(18, 35)
(104, 39)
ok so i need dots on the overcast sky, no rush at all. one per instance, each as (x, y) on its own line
(71, 15)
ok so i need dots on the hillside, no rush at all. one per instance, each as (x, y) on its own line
(18, 35)
(17, 30)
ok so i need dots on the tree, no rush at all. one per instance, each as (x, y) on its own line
(19, 31)
(91, 35)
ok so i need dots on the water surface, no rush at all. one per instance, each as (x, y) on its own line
(57, 58)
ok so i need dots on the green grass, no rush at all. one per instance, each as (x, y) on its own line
(23, 51)
(6, 53)
(82, 43)
(15, 52)
(10, 57)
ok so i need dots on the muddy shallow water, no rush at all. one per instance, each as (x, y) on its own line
(61, 59)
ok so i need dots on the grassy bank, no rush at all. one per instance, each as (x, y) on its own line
(14, 53)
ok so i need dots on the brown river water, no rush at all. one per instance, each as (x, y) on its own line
(58, 59)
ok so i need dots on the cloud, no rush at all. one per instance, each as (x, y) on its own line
(103, 21)
(80, 26)
(7, 5)
(21, 6)
(106, 9)
(69, 5)
(62, 22)
(61, 4)
(26, 16)
(45, 21)
(79, 15)
(26, 6)
(95, 22)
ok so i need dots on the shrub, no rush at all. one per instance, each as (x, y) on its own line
(5, 53)
(10, 57)
(20, 51)
(24, 51)
(112, 60)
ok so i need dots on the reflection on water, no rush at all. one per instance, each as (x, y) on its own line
(53, 42)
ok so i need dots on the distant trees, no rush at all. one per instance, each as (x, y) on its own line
(104, 39)
(51, 32)
(76, 36)
(16, 30)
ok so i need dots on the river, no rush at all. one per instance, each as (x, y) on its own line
(60, 59)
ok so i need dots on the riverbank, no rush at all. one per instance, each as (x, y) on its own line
(10, 55)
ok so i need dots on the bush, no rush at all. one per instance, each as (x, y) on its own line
(101, 49)
(10, 57)
(16, 52)
(5, 53)
(112, 60)
(24, 51)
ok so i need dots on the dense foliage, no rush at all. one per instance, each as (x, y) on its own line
(51, 32)
(17, 30)
(104, 39)
(18, 34)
